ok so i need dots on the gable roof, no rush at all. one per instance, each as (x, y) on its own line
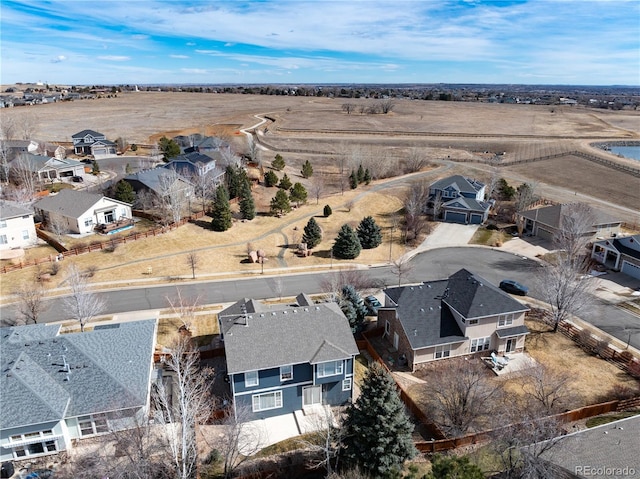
(619, 244)
(268, 337)
(552, 215)
(470, 204)
(106, 370)
(83, 133)
(461, 183)
(10, 209)
(38, 162)
(151, 178)
(424, 310)
(71, 203)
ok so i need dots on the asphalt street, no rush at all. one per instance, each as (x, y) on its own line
(493, 265)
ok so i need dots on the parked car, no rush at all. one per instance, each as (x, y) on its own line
(513, 287)
(77, 179)
(372, 304)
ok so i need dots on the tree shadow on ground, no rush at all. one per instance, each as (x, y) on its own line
(202, 224)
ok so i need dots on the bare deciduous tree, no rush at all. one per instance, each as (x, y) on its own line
(82, 305)
(239, 439)
(192, 261)
(173, 195)
(348, 108)
(492, 184)
(7, 127)
(184, 308)
(25, 125)
(57, 225)
(414, 205)
(415, 160)
(333, 283)
(461, 395)
(22, 172)
(325, 441)
(525, 196)
(318, 185)
(574, 232)
(386, 106)
(31, 303)
(183, 403)
(401, 267)
(5, 153)
(546, 388)
(253, 151)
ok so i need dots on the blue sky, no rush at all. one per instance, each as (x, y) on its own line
(584, 42)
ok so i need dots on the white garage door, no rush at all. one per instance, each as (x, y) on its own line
(630, 269)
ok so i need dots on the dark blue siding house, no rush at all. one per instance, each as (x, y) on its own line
(287, 358)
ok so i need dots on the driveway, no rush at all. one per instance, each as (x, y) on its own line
(445, 235)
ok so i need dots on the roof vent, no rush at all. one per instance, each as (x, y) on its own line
(273, 313)
(415, 332)
(67, 377)
(306, 309)
(428, 286)
(422, 310)
(430, 308)
(317, 308)
(285, 312)
(420, 287)
(295, 310)
(262, 315)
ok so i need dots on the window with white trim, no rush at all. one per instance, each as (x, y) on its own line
(331, 368)
(346, 384)
(443, 351)
(3, 239)
(3, 224)
(90, 425)
(266, 401)
(286, 373)
(480, 344)
(251, 379)
(88, 221)
(505, 319)
(25, 234)
(473, 321)
(387, 327)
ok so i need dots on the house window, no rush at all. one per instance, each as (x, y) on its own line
(25, 234)
(443, 351)
(3, 224)
(480, 344)
(90, 425)
(3, 239)
(88, 221)
(286, 373)
(387, 327)
(473, 321)
(505, 320)
(251, 379)
(266, 401)
(346, 384)
(332, 368)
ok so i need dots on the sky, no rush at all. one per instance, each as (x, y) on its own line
(560, 42)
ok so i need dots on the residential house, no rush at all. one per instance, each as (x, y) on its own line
(194, 165)
(285, 359)
(89, 142)
(620, 254)
(461, 200)
(17, 229)
(161, 183)
(50, 168)
(81, 212)
(546, 221)
(59, 388)
(47, 149)
(464, 314)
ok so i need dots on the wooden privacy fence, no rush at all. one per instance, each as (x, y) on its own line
(96, 246)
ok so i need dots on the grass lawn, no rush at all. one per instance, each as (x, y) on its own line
(600, 420)
(486, 237)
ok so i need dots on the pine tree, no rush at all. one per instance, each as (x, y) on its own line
(327, 211)
(360, 174)
(307, 170)
(298, 194)
(367, 176)
(124, 192)
(247, 205)
(221, 210)
(347, 245)
(353, 180)
(369, 233)
(312, 234)
(270, 179)
(285, 182)
(233, 176)
(95, 168)
(280, 203)
(377, 428)
(278, 162)
(453, 467)
(351, 297)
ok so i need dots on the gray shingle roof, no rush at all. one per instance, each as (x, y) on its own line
(424, 311)
(511, 332)
(469, 204)
(283, 335)
(9, 209)
(71, 203)
(108, 369)
(552, 215)
(464, 185)
(84, 133)
(151, 178)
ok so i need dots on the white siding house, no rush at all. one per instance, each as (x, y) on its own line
(17, 229)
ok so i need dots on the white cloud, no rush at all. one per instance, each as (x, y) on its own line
(178, 56)
(114, 58)
(140, 36)
(190, 44)
(58, 59)
(195, 71)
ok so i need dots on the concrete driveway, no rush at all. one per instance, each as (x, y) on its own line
(445, 235)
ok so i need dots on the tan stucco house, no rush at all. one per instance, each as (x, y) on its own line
(17, 229)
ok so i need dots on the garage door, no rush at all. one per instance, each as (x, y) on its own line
(631, 269)
(476, 219)
(455, 217)
(544, 234)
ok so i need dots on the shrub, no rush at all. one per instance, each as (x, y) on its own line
(327, 211)
(55, 267)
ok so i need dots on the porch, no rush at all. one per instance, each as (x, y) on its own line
(510, 364)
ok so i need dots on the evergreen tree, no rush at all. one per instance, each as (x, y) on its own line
(169, 148)
(234, 177)
(353, 180)
(312, 234)
(369, 233)
(124, 192)
(327, 211)
(307, 170)
(95, 168)
(221, 210)
(278, 162)
(351, 297)
(247, 205)
(270, 179)
(367, 176)
(280, 203)
(360, 174)
(453, 467)
(298, 194)
(285, 182)
(347, 245)
(377, 428)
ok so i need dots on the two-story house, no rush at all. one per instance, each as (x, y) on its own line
(464, 314)
(459, 200)
(89, 142)
(197, 165)
(620, 254)
(17, 229)
(287, 358)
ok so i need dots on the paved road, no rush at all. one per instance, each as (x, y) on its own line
(493, 265)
